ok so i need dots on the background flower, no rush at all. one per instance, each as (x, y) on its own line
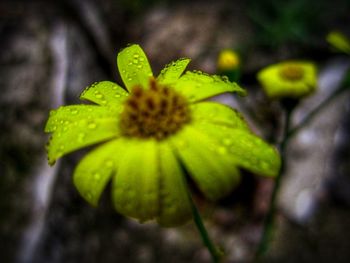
(289, 79)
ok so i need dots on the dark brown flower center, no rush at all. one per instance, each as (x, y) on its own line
(155, 112)
(292, 72)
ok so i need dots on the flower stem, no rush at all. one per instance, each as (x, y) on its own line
(269, 220)
(215, 253)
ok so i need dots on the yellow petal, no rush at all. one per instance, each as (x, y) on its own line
(73, 135)
(173, 71)
(134, 67)
(197, 86)
(94, 171)
(175, 206)
(105, 93)
(136, 186)
(246, 149)
(212, 169)
(219, 114)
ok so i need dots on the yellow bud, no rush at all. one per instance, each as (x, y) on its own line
(228, 60)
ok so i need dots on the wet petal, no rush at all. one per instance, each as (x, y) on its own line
(197, 86)
(208, 164)
(248, 150)
(173, 71)
(105, 93)
(136, 186)
(73, 135)
(67, 114)
(175, 206)
(134, 67)
(95, 170)
(219, 114)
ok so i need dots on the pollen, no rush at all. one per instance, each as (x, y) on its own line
(291, 72)
(157, 112)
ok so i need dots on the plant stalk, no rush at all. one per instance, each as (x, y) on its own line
(215, 253)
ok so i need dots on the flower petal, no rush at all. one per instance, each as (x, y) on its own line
(247, 150)
(95, 169)
(210, 167)
(67, 114)
(73, 135)
(175, 206)
(173, 71)
(197, 86)
(136, 185)
(105, 93)
(219, 114)
(133, 67)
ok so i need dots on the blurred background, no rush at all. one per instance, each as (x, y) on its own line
(51, 50)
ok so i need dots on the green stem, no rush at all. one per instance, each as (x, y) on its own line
(215, 253)
(269, 220)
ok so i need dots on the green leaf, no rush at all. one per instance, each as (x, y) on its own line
(213, 170)
(175, 206)
(95, 170)
(134, 67)
(217, 113)
(246, 149)
(73, 135)
(197, 86)
(136, 186)
(173, 71)
(105, 93)
(67, 114)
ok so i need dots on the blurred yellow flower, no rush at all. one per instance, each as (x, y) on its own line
(289, 79)
(228, 60)
(339, 41)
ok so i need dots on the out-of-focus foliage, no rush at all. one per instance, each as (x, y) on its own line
(292, 21)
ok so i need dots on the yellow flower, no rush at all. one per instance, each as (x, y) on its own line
(155, 133)
(290, 79)
(339, 41)
(228, 60)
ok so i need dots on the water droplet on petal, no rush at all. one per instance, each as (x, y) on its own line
(109, 164)
(98, 95)
(227, 141)
(92, 125)
(97, 176)
(222, 150)
(81, 137)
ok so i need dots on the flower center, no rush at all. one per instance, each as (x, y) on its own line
(155, 112)
(292, 72)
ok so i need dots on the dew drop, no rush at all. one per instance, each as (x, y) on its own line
(222, 150)
(117, 95)
(81, 137)
(98, 95)
(227, 141)
(92, 125)
(136, 55)
(135, 61)
(109, 164)
(74, 111)
(97, 176)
